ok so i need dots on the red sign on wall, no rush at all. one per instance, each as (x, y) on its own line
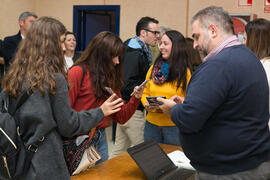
(244, 3)
(266, 6)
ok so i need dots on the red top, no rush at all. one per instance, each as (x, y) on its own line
(84, 99)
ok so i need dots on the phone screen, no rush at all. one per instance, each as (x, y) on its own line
(153, 100)
(144, 82)
(110, 91)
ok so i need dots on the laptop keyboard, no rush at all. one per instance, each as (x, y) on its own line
(164, 171)
(178, 174)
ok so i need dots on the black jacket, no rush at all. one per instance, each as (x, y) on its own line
(1, 46)
(135, 66)
(77, 55)
(10, 45)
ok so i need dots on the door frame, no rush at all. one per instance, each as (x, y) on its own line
(82, 8)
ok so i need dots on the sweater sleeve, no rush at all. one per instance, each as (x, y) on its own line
(75, 75)
(207, 90)
(70, 122)
(126, 111)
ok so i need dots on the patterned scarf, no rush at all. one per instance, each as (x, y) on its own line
(144, 48)
(160, 72)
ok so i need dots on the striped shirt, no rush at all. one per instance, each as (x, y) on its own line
(231, 41)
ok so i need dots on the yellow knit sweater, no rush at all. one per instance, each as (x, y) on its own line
(166, 89)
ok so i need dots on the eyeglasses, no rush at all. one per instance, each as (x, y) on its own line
(154, 32)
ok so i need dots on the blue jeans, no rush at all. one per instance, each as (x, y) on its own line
(101, 144)
(162, 134)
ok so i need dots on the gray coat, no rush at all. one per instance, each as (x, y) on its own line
(53, 116)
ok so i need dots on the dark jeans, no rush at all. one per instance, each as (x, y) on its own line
(262, 172)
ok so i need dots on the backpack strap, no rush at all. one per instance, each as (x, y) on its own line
(12, 109)
(84, 73)
(32, 148)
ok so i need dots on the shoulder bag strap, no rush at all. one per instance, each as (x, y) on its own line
(92, 133)
(84, 73)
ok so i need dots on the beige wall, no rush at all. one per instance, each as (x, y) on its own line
(166, 13)
(229, 5)
(10, 11)
(172, 13)
(130, 12)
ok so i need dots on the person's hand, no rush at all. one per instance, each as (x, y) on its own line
(177, 99)
(151, 107)
(138, 91)
(111, 106)
(167, 105)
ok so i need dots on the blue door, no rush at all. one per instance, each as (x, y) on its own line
(90, 20)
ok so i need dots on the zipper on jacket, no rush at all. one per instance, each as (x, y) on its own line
(6, 166)
(10, 140)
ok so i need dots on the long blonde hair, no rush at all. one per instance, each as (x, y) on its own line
(39, 57)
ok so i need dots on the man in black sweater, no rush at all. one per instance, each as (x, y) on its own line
(136, 62)
(11, 43)
(224, 118)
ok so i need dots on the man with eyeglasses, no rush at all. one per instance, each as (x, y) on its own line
(136, 62)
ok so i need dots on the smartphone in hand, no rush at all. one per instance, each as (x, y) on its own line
(153, 99)
(142, 84)
(110, 91)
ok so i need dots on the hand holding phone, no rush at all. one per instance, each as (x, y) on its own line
(142, 84)
(177, 99)
(110, 91)
(111, 106)
(153, 99)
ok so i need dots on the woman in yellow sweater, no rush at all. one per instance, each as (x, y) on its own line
(169, 76)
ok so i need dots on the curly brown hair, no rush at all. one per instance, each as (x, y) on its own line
(98, 58)
(39, 57)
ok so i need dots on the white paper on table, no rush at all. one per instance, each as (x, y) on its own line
(180, 160)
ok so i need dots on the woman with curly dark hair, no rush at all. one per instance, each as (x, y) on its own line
(101, 62)
(39, 69)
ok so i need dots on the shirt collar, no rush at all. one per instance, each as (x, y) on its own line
(229, 42)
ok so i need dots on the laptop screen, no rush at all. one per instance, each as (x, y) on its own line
(151, 159)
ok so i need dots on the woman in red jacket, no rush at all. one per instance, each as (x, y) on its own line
(101, 61)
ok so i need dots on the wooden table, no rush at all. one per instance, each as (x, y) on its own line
(120, 167)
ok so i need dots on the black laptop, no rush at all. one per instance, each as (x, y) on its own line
(156, 164)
